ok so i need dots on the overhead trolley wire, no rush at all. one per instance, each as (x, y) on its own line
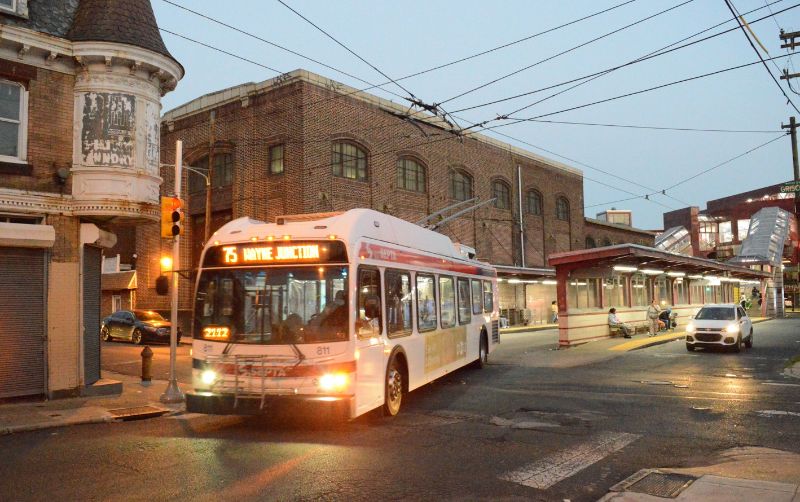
(657, 128)
(520, 70)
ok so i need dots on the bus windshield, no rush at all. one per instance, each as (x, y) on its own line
(275, 305)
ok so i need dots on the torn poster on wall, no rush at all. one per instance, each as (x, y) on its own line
(109, 123)
(152, 137)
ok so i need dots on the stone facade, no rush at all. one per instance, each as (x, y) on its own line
(601, 233)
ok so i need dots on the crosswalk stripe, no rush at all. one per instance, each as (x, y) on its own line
(548, 471)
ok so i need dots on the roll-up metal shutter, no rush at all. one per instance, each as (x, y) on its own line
(22, 322)
(92, 259)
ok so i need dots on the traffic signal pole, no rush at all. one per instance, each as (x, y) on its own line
(173, 393)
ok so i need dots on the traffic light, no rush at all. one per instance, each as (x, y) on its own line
(171, 216)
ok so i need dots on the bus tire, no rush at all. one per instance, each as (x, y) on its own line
(483, 352)
(394, 383)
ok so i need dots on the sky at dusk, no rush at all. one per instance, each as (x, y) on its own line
(402, 38)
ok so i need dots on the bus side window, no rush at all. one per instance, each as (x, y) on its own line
(447, 302)
(368, 323)
(477, 297)
(426, 302)
(464, 314)
(488, 300)
(398, 302)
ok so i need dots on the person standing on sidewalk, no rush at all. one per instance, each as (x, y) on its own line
(652, 317)
(554, 310)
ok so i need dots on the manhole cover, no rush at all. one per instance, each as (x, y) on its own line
(138, 412)
(660, 484)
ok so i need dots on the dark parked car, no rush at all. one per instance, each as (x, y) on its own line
(136, 326)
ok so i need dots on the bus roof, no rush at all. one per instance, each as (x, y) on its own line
(348, 226)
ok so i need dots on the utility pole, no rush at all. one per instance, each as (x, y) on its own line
(211, 143)
(173, 393)
(790, 42)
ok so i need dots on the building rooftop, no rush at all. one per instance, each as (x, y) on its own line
(243, 91)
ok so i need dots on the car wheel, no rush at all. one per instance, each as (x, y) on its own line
(737, 347)
(749, 340)
(690, 347)
(137, 337)
(393, 388)
(105, 335)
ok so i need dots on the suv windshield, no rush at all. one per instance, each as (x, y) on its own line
(274, 305)
(716, 314)
(148, 315)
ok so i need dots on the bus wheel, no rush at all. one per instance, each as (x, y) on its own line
(394, 388)
(483, 352)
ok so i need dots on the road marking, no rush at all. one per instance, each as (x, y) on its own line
(548, 471)
(777, 413)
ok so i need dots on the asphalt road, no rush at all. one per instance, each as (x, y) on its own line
(546, 425)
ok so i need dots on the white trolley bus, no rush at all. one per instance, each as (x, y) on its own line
(347, 311)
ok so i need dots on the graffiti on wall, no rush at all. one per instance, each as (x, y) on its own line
(107, 134)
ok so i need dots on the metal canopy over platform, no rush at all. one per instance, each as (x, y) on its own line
(525, 272)
(642, 256)
(769, 229)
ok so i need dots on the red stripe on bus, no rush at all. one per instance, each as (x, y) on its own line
(302, 370)
(378, 252)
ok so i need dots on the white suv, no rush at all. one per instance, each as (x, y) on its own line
(720, 325)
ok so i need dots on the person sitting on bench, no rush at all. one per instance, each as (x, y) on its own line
(614, 322)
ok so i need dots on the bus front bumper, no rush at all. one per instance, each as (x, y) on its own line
(227, 404)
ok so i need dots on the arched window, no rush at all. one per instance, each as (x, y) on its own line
(562, 209)
(501, 193)
(606, 241)
(13, 120)
(534, 202)
(221, 177)
(460, 185)
(411, 175)
(590, 243)
(349, 161)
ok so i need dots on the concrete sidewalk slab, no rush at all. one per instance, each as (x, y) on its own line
(525, 329)
(31, 416)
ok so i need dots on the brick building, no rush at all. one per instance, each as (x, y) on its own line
(80, 86)
(301, 143)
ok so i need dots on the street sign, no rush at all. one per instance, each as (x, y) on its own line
(790, 186)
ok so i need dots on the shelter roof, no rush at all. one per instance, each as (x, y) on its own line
(643, 256)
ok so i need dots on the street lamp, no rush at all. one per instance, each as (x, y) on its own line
(166, 263)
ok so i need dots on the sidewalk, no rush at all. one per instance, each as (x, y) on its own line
(738, 475)
(135, 401)
(649, 341)
(525, 329)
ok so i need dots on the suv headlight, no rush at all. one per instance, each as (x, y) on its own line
(732, 328)
(690, 328)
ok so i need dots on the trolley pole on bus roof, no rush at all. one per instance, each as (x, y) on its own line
(173, 393)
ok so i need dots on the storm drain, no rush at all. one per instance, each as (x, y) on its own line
(138, 412)
(661, 484)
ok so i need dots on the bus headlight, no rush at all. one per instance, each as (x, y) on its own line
(208, 377)
(732, 328)
(333, 382)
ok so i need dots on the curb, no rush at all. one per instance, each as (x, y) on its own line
(51, 425)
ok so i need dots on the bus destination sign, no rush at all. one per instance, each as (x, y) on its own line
(263, 253)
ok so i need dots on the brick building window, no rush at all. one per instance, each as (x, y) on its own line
(460, 185)
(411, 175)
(590, 243)
(349, 161)
(13, 121)
(562, 209)
(276, 159)
(534, 202)
(221, 177)
(502, 194)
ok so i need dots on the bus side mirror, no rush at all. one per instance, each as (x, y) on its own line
(372, 306)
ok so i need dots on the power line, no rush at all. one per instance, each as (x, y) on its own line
(739, 22)
(656, 128)
(657, 53)
(515, 72)
(347, 48)
(220, 50)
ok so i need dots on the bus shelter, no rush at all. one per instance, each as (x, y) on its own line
(525, 295)
(628, 276)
